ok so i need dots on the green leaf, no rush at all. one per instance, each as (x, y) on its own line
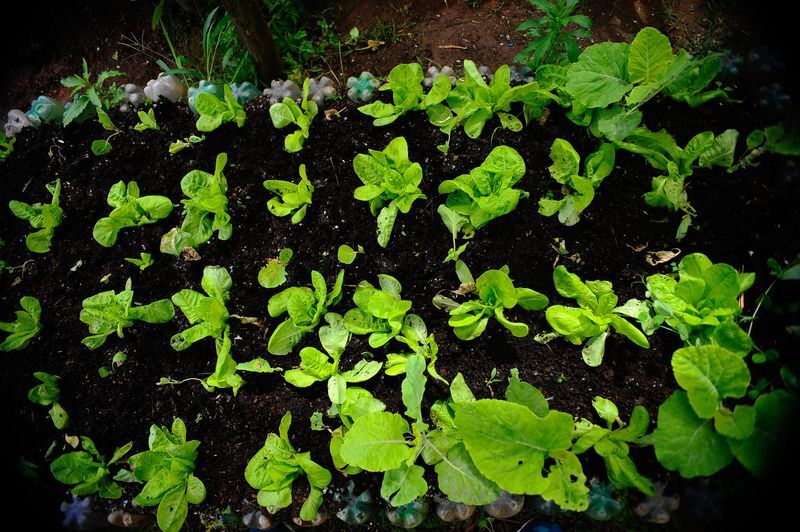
(599, 77)
(345, 254)
(413, 387)
(403, 485)
(709, 374)
(461, 481)
(650, 56)
(101, 147)
(376, 442)
(173, 509)
(774, 412)
(737, 424)
(606, 409)
(525, 394)
(567, 483)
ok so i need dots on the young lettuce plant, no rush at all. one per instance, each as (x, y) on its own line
(274, 273)
(380, 311)
(578, 190)
(167, 470)
(130, 210)
(147, 121)
(305, 306)
(204, 212)
(45, 218)
(496, 293)
(47, 393)
(102, 147)
(292, 198)
(25, 327)
(288, 112)
(414, 334)
(276, 466)
(107, 313)
(772, 139)
(597, 313)
(6, 146)
(215, 112)
(316, 366)
(391, 184)
(88, 471)
(486, 192)
(405, 82)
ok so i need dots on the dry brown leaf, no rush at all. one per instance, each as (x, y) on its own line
(654, 258)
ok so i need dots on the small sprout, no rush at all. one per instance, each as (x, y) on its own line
(187, 142)
(346, 255)
(25, 328)
(147, 121)
(274, 273)
(46, 394)
(144, 262)
(292, 198)
(44, 217)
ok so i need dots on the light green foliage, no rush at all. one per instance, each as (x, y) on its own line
(88, 471)
(391, 184)
(130, 210)
(144, 261)
(215, 112)
(773, 139)
(578, 190)
(709, 374)
(701, 302)
(612, 443)
(90, 93)
(305, 307)
(205, 210)
(288, 112)
(597, 313)
(44, 217)
(181, 144)
(167, 470)
(496, 294)
(146, 121)
(102, 147)
(292, 198)
(773, 414)
(109, 312)
(347, 255)
(276, 466)
(380, 311)
(485, 193)
(316, 366)
(25, 327)
(47, 393)
(207, 314)
(6, 146)
(405, 82)
(274, 273)
(414, 334)
(554, 37)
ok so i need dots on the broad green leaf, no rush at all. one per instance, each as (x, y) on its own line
(768, 442)
(600, 76)
(376, 442)
(461, 481)
(403, 485)
(650, 56)
(709, 374)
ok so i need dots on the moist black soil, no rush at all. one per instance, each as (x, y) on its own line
(744, 219)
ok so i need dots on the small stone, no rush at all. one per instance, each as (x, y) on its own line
(359, 510)
(46, 110)
(16, 122)
(433, 73)
(320, 519)
(602, 505)
(256, 521)
(244, 92)
(657, 509)
(134, 97)
(168, 87)
(321, 90)
(280, 89)
(449, 511)
(505, 506)
(410, 515)
(123, 519)
(363, 87)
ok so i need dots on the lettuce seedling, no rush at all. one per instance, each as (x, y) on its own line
(292, 198)
(144, 261)
(167, 470)
(102, 147)
(47, 394)
(108, 312)
(208, 314)
(405, 82)
(578, 190)
(6, 146)
(612, 444)
(45, 218)
(147, 121)
(88, 471)
(347, 255)
(215, 112)
(414, 334)
(181, 144)
(274, 273)
(130, 210)
(276, 466)
(773, 139)
(496, 293)
(380, 311)
(701, 302)
(597, 313)
(391, 184)
(204, 212)
(315, 366)
(487, 191)
(305, 307)
(25, 327)
(288, 112)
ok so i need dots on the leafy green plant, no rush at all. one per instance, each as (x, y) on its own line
(44, 217)
(773, 139)
(181, 144)
(88, 471)
(379, 312)
(597, 313)
(147, 121)
(215, 112)
(167, 470)
(130, 210)
(316, 366)
(347, 255)
(554, 37)
(6, 146)
(700, 302)
(274, 273)
(25, 327)
(484, 194)
(288, 112)
(578, 190)
(144, 261)
(102, 147)
(205, 211)
(94, 93)
(47, 393)
(108, 312)
(414, 334)
(496, 294)
(391, 184)
(276, 466)
(207, 315)
(292, 198)
(305, 307)
(405, 82)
